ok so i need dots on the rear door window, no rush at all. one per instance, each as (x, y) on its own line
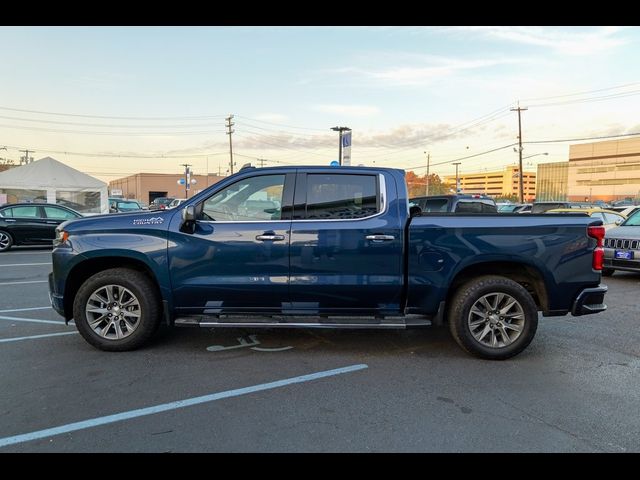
(341, 197)
(23, 212)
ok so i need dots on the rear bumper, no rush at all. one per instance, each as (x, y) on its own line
(57, 301)
(590, 300)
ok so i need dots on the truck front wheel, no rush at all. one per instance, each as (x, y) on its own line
(493, 317)
(117, 309)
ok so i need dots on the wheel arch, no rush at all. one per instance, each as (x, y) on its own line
(529, 276)
(87, 268)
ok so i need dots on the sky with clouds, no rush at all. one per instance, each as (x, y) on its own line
(116, 101)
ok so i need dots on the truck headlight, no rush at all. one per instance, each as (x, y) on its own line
(61, 236)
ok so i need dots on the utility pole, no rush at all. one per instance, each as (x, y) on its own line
(261, 160)
(229, 132)
(186, 179)
(457, 178)
(520, 150)
(428, 160)
(340, 130)
(26, 156)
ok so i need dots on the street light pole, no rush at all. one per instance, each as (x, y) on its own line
(340, 130)
(457, 178)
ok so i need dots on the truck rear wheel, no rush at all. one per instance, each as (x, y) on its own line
(117, 309)
(493, 317)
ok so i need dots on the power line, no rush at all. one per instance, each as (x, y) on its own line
(464, 158)
(114, 134)
(107, 125)
(581, 93)
(124, 154)
(110, 117)
(584, 138)
(281, 124)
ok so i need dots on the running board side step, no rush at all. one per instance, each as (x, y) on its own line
(208, 322)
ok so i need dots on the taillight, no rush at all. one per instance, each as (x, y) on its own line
(597, 232)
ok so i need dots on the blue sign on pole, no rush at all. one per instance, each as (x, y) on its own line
(335, 163)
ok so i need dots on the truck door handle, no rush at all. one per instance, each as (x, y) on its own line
(9, 220)
(51, 221)
(269, 237)
(380, 238)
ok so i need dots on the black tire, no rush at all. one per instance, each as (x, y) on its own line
(5, 237)
(147, 295)
(460, 318)
(607, 272)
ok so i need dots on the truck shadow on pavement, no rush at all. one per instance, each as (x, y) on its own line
(424, 341)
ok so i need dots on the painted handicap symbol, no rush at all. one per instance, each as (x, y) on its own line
(250, 342)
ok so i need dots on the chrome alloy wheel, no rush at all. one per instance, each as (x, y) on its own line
(113, 312)
(496, 320)
(4, 241)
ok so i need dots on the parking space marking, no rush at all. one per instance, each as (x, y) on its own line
(24, 309)
(31, 320)
(22, 283)
(164, 407)
(23, 264)
(33, 337)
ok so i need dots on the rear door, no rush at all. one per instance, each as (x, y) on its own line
(26, 224)
(346, 244)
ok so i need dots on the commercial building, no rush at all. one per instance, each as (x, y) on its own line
(552, 181)
(608, 170)
(502, 183)
(148, 186)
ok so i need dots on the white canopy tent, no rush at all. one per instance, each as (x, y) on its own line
(48, 180)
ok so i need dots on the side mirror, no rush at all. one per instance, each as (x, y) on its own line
(188, 214)
(112, 210)
(618, 222)
(188, 219)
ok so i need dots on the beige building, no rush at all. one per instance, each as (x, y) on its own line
(552, 181)
(608, 170)
(148, 186)
(502, 183)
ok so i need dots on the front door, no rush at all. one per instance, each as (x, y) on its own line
(346, 245)
(236, 260)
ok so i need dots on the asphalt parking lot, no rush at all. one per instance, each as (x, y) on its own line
(575, 389)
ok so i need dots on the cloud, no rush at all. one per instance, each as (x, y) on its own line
(570, 42)
(348, 110)
(405, 69)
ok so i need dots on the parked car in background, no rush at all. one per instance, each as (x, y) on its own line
(31, 223)
(161, 203)
(524, 208)
(609, 218)
(118, 205)
(455, 204)
(143, 205)
(626, 211)
(513, 207)
(622, 247)
(541, 207)
(176, 201)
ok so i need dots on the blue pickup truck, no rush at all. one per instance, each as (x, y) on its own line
(331, 247)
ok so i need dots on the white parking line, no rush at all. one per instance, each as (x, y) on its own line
(22, 283)
(33, 337)
(31, 320)
(24, 309)
(23, 264)
(141, 412)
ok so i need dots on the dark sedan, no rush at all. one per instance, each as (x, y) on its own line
(31, 223)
